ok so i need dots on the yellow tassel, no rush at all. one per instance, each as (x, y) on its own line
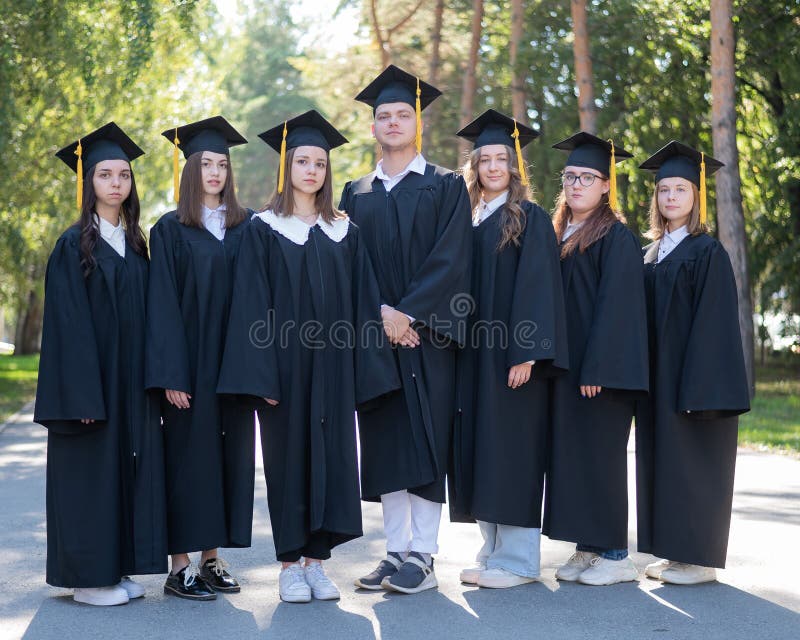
(418, 110)
(175, 164)
(518, 149)
(282, 170)
(703, 206)
(612, 177)
(79, 153)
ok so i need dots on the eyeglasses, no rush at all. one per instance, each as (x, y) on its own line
(586, 179)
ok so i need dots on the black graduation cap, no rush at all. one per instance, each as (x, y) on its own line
(677, 160)
(493, 127)
(395, 85)
(109, 142)
(212, 134)
(307, 129)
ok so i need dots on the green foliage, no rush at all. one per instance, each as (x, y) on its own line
(774, 419)
(17, 382)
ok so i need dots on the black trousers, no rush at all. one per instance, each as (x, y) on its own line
(318, 546)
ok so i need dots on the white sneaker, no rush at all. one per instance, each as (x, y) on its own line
(292, 584)
(102, 596)
(682, 573)
(501, 579)
(654, 569)
(132, 588)
(575, 566)
(470, 574)
(322, 587)
(603, 571)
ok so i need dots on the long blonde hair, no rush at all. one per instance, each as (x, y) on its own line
(513, 220)
(658, 223)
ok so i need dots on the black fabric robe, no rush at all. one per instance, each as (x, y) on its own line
(686, 432)
(305, 330)
(210, 447)
(586, 494)
(500, 436)
(419, 238)
(105, 480)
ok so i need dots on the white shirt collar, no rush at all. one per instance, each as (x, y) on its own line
(115, 236)
(671, 240)
(297, 231)
(485, 209)
(214, 220)
(417, 165)
(572, 227)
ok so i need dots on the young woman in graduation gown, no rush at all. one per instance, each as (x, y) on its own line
(305, 336)
(586, 497)
(515, 341)
(686, 433)
(209, 442)
(105, 485)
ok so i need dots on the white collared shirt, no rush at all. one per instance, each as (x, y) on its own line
(214, 221)
(115, 236)
(485, 209)
(417, 165)
(572, 227)
(671, 240)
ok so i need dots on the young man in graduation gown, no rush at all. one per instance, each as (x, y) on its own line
(586, 494)
(415, 221)
(105, 464)
(686, 431)
(209, 442)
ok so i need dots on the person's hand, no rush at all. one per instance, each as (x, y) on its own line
(179, 399)
(590, 391)
(409, 339)
(87, 420)
(519, 374)
(271, 402)
(395, 323)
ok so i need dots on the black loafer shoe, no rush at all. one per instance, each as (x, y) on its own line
(214, 572)
(188, 583)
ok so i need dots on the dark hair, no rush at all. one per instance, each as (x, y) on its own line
(190, 201)
(596, 226)
(513, 221)
(90, 231)
(282, 204)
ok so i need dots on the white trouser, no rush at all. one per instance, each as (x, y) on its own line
(410, 523)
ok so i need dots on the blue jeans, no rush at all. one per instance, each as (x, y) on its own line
(515, 549)
(608, 554)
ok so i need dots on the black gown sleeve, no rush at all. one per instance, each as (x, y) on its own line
(616, 349)
(433, 295)
(344, 201)
(713, 381)
(70, 386)
(375, 368)
(250, 362)
(167, 358)
(537, 328)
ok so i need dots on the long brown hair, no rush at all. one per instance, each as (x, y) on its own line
(658, 223)
(282, 204)
(513, 217)
(190, 205)
(90, 231)
(595, 227)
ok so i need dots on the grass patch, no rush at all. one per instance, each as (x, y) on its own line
(774, 418)
(17, 382)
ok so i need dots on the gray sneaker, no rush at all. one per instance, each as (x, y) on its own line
(414, 575)
(385, 569)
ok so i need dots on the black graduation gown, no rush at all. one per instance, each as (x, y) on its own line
(105, 480)
(305, 330)
(500, 436)
(586, 494)
(418, 236)
(686, 432)
(210, 447)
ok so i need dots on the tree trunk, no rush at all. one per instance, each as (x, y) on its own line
(29, 326)
(583, 68)
(432, 112)
(518, 108)
(470, 83)
(730, 215)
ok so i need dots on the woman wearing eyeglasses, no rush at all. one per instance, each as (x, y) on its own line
(586, 499)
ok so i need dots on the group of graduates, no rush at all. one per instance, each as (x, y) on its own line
(488, 347)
